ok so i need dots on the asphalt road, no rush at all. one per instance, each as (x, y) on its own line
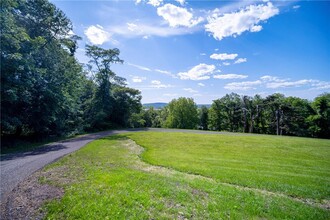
(14, 168)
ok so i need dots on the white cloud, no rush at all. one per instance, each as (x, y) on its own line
(182, 2)
(177, 16)
(202, 54)
(226, 63)
(139, 67)
(201, 84)
(235, 23)
(273, 82)
(157, 84)
(155, 3)
(320, 85)
(271, 79)
(240, 60)
(190, 90)
(296, 6)
(97, 35)
(247, 85)
(166, 73)
(287, 84)
(230, 76)
(199, 72)
(138, 79)
(223, 56)
(145, 30)
(256, 28)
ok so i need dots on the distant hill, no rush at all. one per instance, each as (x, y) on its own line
(155, 105)
(159, 105)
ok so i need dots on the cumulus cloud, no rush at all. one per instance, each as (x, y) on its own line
(155, 3)
(273, 82)
(199, 72)
(247, 85)
(230, 76)
(182, 2)
(138, 79)
(235, 23)
(223, 56)
(201, 84)
(190, 90)
(320, 85)
(271, 79)
(226, 63)
(158, 85)
(240, 60)
(178, 16)
(287, 84)
(97, 35)
(256, 28)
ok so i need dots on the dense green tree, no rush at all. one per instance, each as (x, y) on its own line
(216, 116)
(40, 78)
(182, 113)
(203, 117)
(113, 102)
(320, 121)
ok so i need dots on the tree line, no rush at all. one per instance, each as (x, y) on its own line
(45, 91)
(274, 114)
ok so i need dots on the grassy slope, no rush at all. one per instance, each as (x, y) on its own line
(297, 167)
(107, 180)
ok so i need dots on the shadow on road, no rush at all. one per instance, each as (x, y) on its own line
(38, 151)
(63, 144)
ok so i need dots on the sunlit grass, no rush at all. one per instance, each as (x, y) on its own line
(298, 167)
(108, 180)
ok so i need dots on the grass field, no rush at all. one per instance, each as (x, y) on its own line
(179, 175)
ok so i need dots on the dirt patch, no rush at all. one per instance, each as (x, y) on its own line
(26, 200)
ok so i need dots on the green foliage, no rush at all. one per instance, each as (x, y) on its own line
(320, 120)
(182, 113)
(275, 114)
(44, 90)
(113, 103)
(203, 118)
(40, 79)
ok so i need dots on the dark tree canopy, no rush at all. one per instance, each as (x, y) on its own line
(44, 89)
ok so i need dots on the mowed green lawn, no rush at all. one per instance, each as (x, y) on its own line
(298, 167)
(193, 176)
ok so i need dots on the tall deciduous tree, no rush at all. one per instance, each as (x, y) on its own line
(182, 113)
(40, 79)
(113, 102)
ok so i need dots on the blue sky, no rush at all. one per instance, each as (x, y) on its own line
(205, 49)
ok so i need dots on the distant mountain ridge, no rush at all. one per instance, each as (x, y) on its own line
(159, 105)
